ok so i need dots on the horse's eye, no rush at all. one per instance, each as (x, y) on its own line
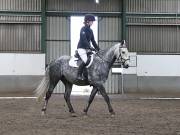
(123, 52)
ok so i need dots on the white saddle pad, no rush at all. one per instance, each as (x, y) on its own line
(73, 61)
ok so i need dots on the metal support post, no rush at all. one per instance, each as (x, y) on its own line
(123, 34)
(122, 80)
(43, 26)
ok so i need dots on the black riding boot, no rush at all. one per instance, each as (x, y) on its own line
(80, 71)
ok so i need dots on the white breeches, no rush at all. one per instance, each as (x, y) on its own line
(82, 53)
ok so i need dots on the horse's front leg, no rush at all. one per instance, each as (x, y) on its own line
(93, 93)
(106, 98)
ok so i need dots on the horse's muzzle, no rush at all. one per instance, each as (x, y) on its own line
(125, 66)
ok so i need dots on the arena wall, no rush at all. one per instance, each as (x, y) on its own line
(155, 74)
(20, 73)
(151, 27)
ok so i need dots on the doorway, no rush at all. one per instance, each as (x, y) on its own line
(76, 25)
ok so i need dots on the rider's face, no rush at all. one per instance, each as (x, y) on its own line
(90, 23)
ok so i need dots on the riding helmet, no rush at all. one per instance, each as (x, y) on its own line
(89, 17)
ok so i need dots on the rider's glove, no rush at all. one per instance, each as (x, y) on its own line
(97, 49)
(93, 49)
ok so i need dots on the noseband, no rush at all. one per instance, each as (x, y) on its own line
(121, 59)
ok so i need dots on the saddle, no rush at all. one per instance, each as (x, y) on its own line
(76, 59)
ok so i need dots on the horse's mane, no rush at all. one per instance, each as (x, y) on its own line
(103, 51)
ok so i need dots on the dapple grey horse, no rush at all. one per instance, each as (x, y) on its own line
(97, 74)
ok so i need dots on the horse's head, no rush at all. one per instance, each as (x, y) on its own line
(123, 54)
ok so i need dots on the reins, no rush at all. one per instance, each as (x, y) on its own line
(120, 58)
(102, 58)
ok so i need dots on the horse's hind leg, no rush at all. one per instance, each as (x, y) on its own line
(48, 94)
(93, 93)
(68, 89)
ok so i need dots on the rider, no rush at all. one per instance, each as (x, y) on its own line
(86, 35)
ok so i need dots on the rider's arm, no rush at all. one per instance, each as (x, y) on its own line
(94, 42)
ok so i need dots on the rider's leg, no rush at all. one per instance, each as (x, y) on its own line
(80, 71)
(83, 55)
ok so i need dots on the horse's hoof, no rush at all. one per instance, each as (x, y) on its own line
(43, 113)
(85, 115)
(73, 115)
(113, 114)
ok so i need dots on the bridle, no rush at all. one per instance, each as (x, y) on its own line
(120, 58)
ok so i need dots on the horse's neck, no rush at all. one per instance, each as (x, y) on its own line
(110, 56)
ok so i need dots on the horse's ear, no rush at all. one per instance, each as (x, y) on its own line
(123, 43)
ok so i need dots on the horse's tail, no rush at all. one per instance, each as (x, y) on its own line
(43, 86)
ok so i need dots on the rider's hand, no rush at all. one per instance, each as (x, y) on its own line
(97, 49)
(93, 49)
